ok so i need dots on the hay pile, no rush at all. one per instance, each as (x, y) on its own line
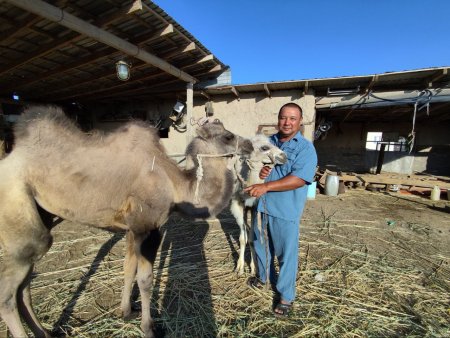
(360, 276)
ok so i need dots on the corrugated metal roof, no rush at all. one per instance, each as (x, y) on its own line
(406, 80)
(413, 82)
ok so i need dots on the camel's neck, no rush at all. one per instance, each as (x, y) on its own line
(207, 188)
(254, 168)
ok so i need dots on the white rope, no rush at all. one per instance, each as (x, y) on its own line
(153, 163)
(202, 121)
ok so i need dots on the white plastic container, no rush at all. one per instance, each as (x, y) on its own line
(435, 193)
(312, 191)
(332, 185)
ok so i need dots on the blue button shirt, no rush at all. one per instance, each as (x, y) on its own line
(302, 162)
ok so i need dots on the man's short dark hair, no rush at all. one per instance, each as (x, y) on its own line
(292, 105)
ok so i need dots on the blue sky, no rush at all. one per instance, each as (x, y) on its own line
(280, 40)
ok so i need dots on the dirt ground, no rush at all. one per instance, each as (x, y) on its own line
(372, 264)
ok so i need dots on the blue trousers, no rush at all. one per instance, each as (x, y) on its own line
(283, 239)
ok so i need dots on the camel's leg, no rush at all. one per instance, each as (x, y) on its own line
(143, 250)
(238, 212)
(130, 269)
(11, 275)
(15, 299)
(250, 242)
(26, 309)
(25, 239)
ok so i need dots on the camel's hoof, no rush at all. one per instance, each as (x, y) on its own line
(239, 270)
(130, 315)
(149, 334)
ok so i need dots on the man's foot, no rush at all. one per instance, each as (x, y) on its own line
(282, 309)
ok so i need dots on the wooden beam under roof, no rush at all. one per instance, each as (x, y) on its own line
(61, 42)
(166, 30)
(178, 51)
(161, 18)
(11, 33)
(440, 74)
(206, 58)
(205, 94)
(70, 21)
(235, 92)
(215, 69)
(108, 51)
(106, 74)
(372, 83)
(306, 88)
(267, 90)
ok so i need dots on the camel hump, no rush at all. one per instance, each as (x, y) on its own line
(43, 117)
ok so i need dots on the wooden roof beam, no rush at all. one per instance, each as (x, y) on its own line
(145, 38)
(267, 90)
(68, 20)
(215, 69)
(235, 92)
(30, 20)
(187, 48)
(161, 18)
(206, 58)
(63, 41)
(372, 83)
(108, 51)
(63, 68)
(436, 77)
(205, 95)
(306, 88)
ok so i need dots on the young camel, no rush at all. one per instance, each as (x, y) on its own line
(264, 154)
(122, 180)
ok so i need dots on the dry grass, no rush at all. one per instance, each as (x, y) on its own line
(360, 275)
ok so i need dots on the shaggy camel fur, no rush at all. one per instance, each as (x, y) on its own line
(121, 180)
(264, 154)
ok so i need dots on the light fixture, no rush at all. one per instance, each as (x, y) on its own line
(123, 70)
(178, 107)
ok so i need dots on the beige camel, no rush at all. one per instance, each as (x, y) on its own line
(122, 180)
(264, 154)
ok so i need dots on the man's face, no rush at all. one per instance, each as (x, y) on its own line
(289, 122)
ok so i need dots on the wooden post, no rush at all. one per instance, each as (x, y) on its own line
(380, 158)
(189, 111)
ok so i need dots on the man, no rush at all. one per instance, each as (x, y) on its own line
(282, 198)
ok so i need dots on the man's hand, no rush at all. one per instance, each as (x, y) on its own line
(257, 190)
(265, 171)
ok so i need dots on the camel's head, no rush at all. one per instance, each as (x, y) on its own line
(265, 152)
(222, 141)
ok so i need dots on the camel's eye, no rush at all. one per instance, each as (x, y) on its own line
(264, 148)
(229, 136)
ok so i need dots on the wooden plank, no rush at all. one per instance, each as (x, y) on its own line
(405, 181)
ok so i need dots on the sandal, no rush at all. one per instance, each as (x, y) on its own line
(282, 310)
